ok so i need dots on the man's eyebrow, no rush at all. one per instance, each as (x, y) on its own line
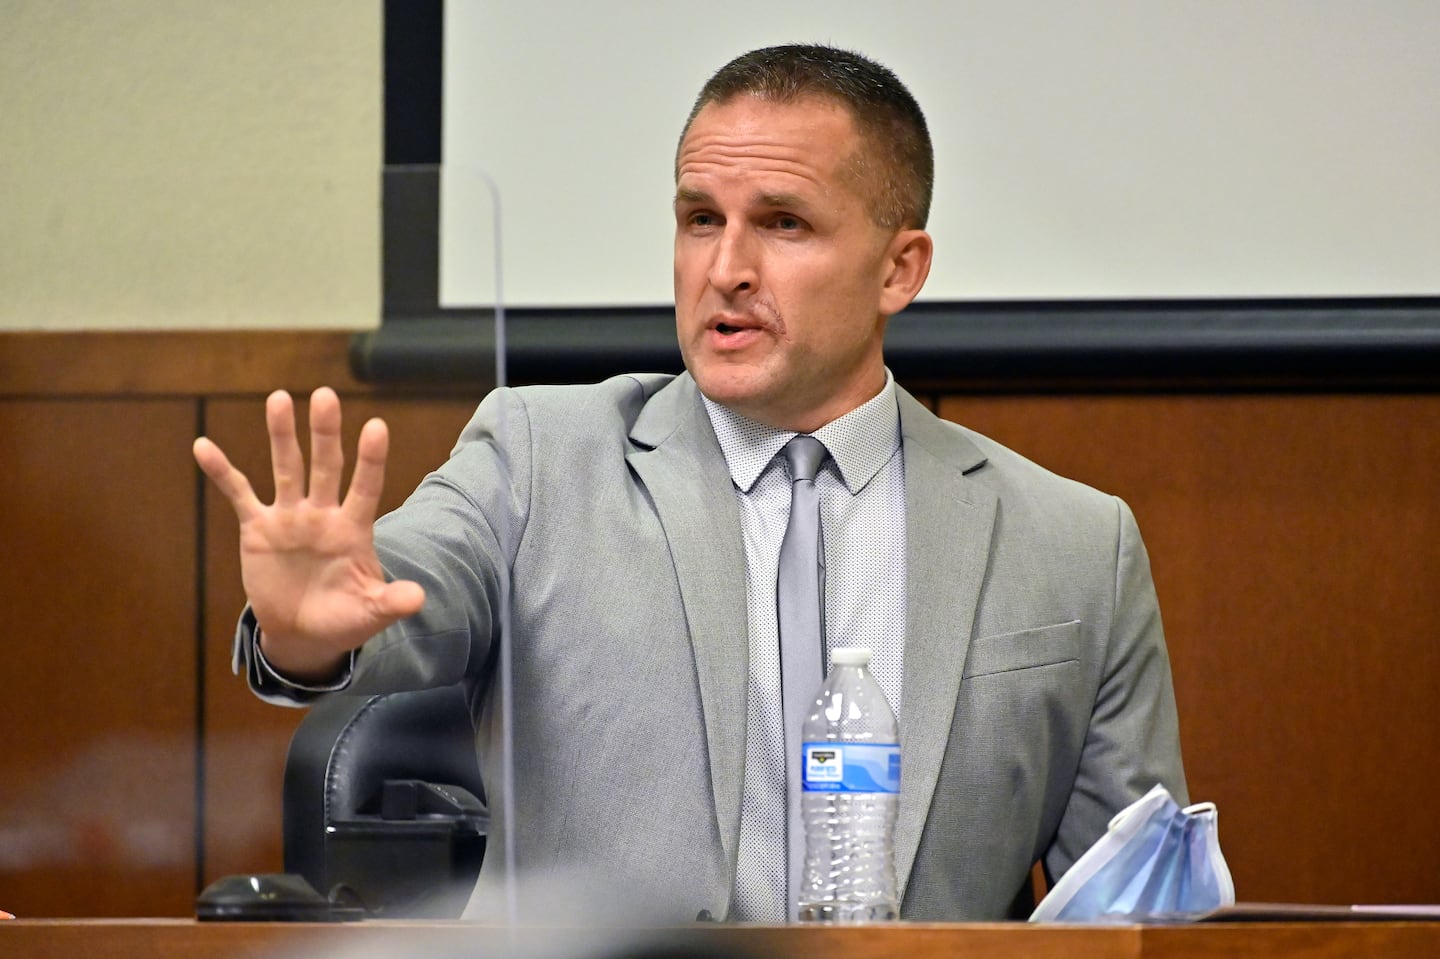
(791, 201)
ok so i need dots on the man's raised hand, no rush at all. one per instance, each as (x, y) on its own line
(308, 560)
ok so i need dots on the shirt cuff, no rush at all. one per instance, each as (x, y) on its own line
(263, 664)
(268, 682)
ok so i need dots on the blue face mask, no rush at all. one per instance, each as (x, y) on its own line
(1156, 862)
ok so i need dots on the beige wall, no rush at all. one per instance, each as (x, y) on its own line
(179, 164)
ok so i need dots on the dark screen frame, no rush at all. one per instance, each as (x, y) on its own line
(1303, 344)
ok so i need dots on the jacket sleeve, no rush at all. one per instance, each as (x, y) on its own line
(456, 535)
(1133, 740)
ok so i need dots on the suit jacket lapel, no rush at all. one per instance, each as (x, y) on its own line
(949, 523)
(681, 466)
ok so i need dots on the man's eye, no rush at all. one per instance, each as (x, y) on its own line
(702, 219)
(788, 223)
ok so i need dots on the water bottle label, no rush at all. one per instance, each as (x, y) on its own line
(851, 767)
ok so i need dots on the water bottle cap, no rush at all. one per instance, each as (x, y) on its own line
(850, 656)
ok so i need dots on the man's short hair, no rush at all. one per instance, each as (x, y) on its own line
(897, 165)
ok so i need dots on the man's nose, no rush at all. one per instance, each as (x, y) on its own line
(736, 266)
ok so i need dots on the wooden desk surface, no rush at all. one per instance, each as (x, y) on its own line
(186, 939)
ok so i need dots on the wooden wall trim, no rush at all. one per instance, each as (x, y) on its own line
(166, 363)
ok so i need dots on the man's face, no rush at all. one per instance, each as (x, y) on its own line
(780, 271)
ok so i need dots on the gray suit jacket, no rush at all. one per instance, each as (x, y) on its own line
(1037, 698)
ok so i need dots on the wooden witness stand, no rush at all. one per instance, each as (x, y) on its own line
(187, 939)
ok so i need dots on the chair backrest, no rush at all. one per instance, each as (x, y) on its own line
(384, 803)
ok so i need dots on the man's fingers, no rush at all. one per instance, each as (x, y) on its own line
(327, 457)
(230, 481)
(286, 460)
(363, 499)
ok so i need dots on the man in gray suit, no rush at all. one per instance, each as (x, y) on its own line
(634, 527)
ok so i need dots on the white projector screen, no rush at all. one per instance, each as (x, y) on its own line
(1124, 149)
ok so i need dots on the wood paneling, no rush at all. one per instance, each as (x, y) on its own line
(246, 739)
(98, 667)
(1295, 542)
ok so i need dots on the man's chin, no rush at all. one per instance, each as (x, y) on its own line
(745, 392)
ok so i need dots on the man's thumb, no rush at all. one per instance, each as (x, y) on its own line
(402, 598)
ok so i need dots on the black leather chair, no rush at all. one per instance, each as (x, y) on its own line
(383, 803)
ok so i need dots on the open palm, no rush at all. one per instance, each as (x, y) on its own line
(308, 560)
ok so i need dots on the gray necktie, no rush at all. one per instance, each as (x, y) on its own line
(800, 608)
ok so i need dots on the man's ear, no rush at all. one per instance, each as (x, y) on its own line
(907, 264)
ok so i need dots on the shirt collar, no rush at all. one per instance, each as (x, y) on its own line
(860, 442)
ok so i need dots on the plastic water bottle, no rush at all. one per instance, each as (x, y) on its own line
(851, 779)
